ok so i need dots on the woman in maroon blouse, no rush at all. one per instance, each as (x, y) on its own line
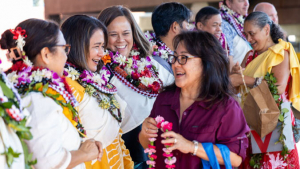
(199, 105)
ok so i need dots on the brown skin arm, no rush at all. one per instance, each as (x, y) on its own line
(282, 73)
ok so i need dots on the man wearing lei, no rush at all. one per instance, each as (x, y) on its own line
(168, 20)
(233, 13)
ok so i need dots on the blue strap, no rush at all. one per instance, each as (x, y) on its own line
(226, 155)
(213, 162)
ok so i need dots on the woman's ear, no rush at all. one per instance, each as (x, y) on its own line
(267, 29)
(45, 55)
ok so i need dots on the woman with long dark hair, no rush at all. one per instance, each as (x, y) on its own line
(101, 111)
(199, 105)
(39, 51)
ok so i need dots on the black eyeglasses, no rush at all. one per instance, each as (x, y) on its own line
(182, 59)
(66, 47)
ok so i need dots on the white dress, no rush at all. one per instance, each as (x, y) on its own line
(138, 106)
(53, 134)
(98, 123)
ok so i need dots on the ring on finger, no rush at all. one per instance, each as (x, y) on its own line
(175, 141)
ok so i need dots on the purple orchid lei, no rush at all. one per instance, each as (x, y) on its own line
(159, 48)
(97, 85)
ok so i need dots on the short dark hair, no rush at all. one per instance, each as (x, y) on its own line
(215, 84)
(109, 14)
(40, 34)
(205, 14)
(78, 30)
(261, 19)
(166, 14)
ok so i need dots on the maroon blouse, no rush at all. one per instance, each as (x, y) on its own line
(222, 123)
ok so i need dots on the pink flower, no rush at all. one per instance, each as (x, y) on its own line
(171, 161)
(153, 156)
(168, 155)
(159, 120)
(170, 166)
(164, 123)
(151, 146)
(167, 126)
(152, 139)
(150, 150)
(166, 150)
(152, 163)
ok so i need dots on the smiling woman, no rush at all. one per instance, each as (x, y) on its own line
(199, 105)
(100, 109)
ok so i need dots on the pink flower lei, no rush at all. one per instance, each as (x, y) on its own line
(159, 48)
(170, 160)
(136, 72)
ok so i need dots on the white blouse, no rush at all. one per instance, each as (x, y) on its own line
(139, 106)
(99, 123)
(53, 134)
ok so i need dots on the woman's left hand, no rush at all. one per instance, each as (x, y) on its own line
(178, 142)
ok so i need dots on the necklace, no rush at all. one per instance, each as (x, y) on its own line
(97, 85)
(159, 47)
(136, 72)
(27, 78)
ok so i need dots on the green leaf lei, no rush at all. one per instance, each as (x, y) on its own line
(22, 131)
(271, 80)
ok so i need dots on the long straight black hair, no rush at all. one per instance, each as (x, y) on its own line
(78, 30)
(215, 82)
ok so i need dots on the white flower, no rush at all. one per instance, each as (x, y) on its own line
(13, 77)
(276, 162)
(134, 53)
(128, 70)
(147, 80)
(121, 60)
(20, 42)
(37, 75)
(164, 54)
(148, 35)
(46, 73)
(141, 65)
(72, 73)
(27, 62)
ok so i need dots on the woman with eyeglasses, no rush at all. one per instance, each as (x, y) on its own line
(101, 111)
(39, 52)
(137, 76)
(200, 106)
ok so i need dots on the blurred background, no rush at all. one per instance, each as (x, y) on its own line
(14, 11)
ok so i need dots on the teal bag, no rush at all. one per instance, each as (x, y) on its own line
(213, 162)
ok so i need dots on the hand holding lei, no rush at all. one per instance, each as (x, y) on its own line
(170, 161)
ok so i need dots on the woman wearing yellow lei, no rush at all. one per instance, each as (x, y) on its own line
(270, 55)
(38, 50)
(100, 109)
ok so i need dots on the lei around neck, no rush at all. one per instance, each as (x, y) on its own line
(136, 72)
(159, 48)
(11, 111)
(28, 78)
(234, 19)
(97, 85)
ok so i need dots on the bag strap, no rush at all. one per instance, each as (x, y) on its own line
(213, 162)
(225, 154)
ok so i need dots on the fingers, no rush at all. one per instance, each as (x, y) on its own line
(151, 123)
(169, 141)
(100, 148)
(169, 134)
